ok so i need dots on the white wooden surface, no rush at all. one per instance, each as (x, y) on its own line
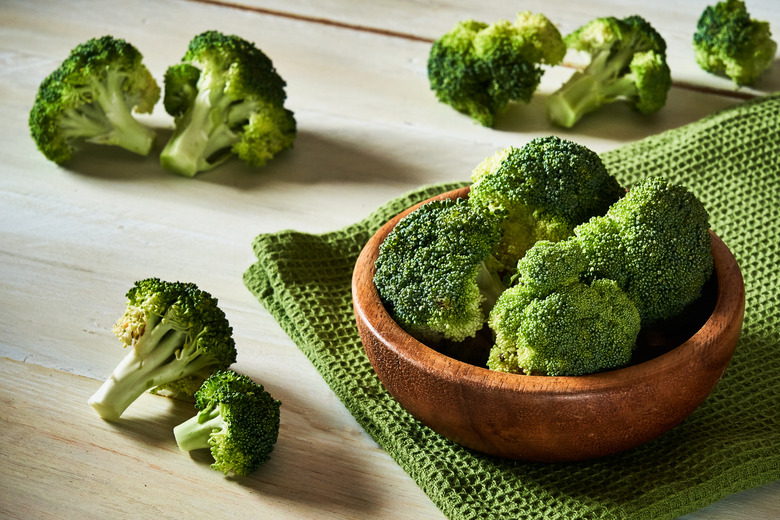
(73, 239)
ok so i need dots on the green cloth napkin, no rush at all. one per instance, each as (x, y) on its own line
(731, 160)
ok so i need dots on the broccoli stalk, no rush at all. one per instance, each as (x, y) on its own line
(91, 97)
(175, 332)
(237, 420)
(627, 61)
(227, 99)
(478, 69)
(728, 42)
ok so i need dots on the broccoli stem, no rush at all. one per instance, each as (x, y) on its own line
(125, 131)
(194, 433)
(490, 286)
(159, 357)
(202, 134)
(588, 90)
(577, 97)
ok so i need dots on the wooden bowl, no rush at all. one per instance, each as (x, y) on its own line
(545, 418)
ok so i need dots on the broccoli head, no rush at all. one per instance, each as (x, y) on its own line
(728, 42)
(541, 192)
(177, 334)
(237, 419)
(434, 273)
(227, 100)
(655, 244)
(478, 69)
(627, 62)
(551, 323)
(91, 97)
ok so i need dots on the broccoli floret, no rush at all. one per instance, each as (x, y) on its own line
(237, 419)
(728, 42)
(655, 244)
(551, 323)
(175, 331)
(434, 273)
(227, 99)
(541, 192)
(627, 62)
(90, 97)
(478, 69)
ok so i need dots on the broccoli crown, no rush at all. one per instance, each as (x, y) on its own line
(227, 99)
(237, 419)
(727, 41)
(655, 244)
(177, 334)
(541, 192)
(627, 62)
(90, 97)
(549, 265)
(181, 307)
(428, 268)
(478, 69)
(551, 323)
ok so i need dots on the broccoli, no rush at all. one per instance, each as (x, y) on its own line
(90, 98)
(227, 99)
(176, 332)
(655, 244)
(727, 41)
(551, 323)
(237, 419)
(541, 192)
(479, 69)
(434, 271)
(627, 62)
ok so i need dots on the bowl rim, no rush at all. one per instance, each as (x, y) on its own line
(428, 359)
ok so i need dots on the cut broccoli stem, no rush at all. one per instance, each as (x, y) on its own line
(208, 136)
(156, 359)
(184, 153)
(194, 433)
(580, 95)
(587, 91)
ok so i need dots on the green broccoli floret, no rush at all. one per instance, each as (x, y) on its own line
(90, 97)
(728, 42)
(541, 192)
(550, 323)
(227, 99)
(627, 62)
(176, 332)
(655, 244)
(237, 419)
(478, 69)
(434, 272)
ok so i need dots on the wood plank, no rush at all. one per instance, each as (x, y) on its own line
(127, 469)
(62, 461)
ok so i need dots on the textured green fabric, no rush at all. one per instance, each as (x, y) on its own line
(731, 160)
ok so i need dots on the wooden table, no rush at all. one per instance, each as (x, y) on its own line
(73, 239)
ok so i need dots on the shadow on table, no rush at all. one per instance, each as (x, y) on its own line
(298, 470)
(345, 156)
(615, 122)
(328, 475)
